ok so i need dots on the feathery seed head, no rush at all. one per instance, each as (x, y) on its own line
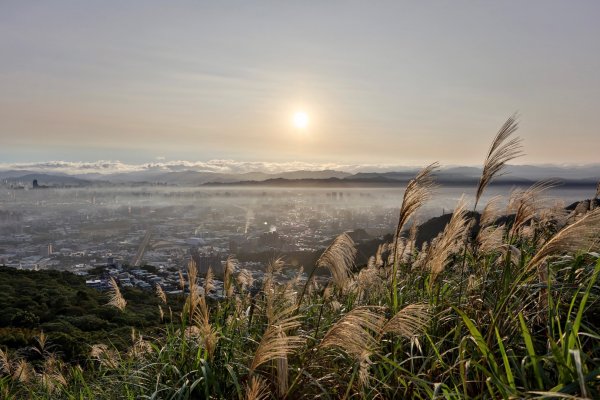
(490, 212)
(409, 321)
(161, 294)
(583, 234)
(209, 281)
(449, 241)
(116, 298)
(339, 259)
(257, 389)
(354, 332)
(502, 150)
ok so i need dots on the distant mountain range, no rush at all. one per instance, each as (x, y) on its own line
(515, 175)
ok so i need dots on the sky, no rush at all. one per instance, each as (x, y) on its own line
(385, 82)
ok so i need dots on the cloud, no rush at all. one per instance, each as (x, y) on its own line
(108, 167)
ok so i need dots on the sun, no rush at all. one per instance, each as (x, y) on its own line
(300, 120)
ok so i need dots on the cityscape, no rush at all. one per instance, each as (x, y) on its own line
(85, 231)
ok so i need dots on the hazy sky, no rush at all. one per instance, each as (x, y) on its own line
(382, 82)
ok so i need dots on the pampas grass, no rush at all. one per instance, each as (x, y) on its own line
(275, 343)
(502, 150)
(228, 270)
(409, 321)
(449, 241)
(257, 389)
(526, 204)
(116, 298)
(339, 259)
(490, 212)
(417, 192)
(160, 293)
(355, 332)
(209, 281)
(582, 235)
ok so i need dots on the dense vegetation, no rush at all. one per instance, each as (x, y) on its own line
(512, 312)
(71, 314)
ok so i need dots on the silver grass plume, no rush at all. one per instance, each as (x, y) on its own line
(52, 378)
(448, 242)
(257, 389)
(5, 362)
(370, 282)
(181, 281)
(275, 342)
(339, 259)
(116, 298)
(554, 216)
(161, 294)
(108, 358)
(23, 371)
(379, 255)
(281, 364)
(209, 281)
(417, 192)
(490, 212)
(275, 265)
(502, 150)
(583, 234)
(409, 321)
(194, 292)
(228, 271)
(526, 204)
(354, 332)
(245, 279)
(490, 238)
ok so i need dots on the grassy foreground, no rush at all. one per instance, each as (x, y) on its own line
(510, 311)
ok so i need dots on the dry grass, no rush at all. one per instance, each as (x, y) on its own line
(194, 292)
(228, 271)
(490, 212)
(161, 294)
(449, 241)
(502, 150)
(582, 235)
(245, 279)
(339, 259)
(5, 363)
(23, 371)
(417, 192)
(527, 204)
(354, 332)
(490, 239)
(209, 281)
(116, 298)
(409, 321)
(257, 389)
(275, 343)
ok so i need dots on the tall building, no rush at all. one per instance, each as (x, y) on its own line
(46, 251)
(205, 260)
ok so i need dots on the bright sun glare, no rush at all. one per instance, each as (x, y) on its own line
(300, 119)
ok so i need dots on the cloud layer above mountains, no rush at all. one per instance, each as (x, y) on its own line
(108, 167)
